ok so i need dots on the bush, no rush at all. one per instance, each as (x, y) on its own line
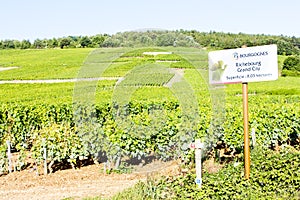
(274, 175)
(292, 63)
(290, 73)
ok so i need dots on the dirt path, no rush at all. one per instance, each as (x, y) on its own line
(88, 181)
(57, 80)
(7, 68)
(178, 75)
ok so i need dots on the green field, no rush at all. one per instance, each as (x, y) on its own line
(153, 105)
(66, 64)
(138, 69)
(42, 64)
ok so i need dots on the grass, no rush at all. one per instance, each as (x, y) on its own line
(119, 69)
(156, 94)
(30, 93)
(272, 177)
(282, 86)
(140, 71)
(41, 93)
(42, 64)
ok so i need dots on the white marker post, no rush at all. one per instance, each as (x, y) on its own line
(243, 65)
(45, 157)
(198, 146)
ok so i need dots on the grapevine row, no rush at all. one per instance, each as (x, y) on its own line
(135, 130)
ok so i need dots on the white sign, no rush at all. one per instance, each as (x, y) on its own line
(251, 64)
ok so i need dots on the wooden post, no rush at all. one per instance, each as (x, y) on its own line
(246, 131)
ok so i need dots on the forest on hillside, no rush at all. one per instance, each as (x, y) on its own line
(181, 38)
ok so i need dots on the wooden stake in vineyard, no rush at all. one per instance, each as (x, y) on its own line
(246, 130)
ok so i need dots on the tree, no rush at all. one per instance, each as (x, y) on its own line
(185, 41)
(25, 44)
(292, 63)
(17, 44)
(85, 41)
(8, 44)
(98, 40)
(145, 40)
(166, 39)
(111, 42)
(52, 43)
(38, 44)
(64, 42)
(284, 47)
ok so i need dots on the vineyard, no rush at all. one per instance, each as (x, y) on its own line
(156, 106)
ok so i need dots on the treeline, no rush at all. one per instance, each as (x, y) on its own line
(150, 38)
(219, 40)
(182, 38)
(124, 39)
(65, 42)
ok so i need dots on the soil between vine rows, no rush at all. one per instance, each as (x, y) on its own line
(89, 181)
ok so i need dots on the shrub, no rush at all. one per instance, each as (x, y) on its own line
(274, 175)
(292, 63)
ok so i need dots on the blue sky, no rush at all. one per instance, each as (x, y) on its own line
(31, 19)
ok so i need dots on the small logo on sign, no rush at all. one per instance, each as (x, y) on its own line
(235, 55)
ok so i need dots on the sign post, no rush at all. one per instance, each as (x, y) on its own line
(243, 65)
(246, 130)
